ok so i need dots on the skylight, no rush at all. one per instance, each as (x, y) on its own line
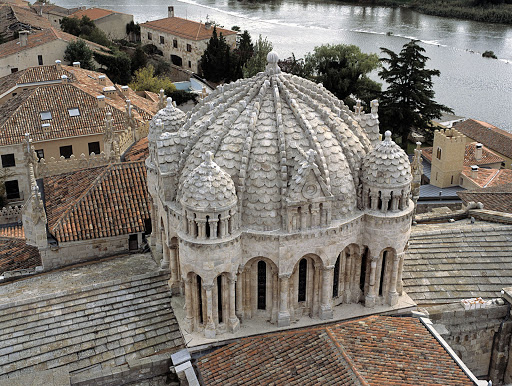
(75, 112)
(45, 115)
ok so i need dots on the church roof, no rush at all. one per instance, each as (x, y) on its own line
(374, 350)
(260, 131)
(387, 165)
(98, 202)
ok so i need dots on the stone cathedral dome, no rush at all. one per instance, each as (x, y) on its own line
(264, 132)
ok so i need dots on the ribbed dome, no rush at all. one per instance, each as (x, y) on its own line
(171, 117)
(208, 187)
(260, 131)
(387, 165)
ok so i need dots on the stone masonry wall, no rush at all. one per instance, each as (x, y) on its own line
(470, 333)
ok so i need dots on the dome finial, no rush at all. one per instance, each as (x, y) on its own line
(272, 66)
(208, 157)
(169, 104)
(388, 136)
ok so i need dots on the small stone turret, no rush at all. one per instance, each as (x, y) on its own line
(34, 215)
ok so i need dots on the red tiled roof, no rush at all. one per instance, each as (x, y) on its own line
(375, 350)
(498, 198)
(139, 151)
(14, 18)
(16, 254)
(489, 177)
(495, 139)
(98, 202)
(93, 13)
(188, 29)
(12, 230)
(44, 37)
(33, 75)
(488, 157)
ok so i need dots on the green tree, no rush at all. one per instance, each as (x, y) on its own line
(71, 25)
(86, 29)
(216, 60)
(139, 59)
(245, 48)
(409, 100)
(77, 51)
(343, 70)
(258, 60)
(145, 79)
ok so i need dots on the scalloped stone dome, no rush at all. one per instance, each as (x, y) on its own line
(171, 117)
(208, 187)
(260, 131)
(387, 165)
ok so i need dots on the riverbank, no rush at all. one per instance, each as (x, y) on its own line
(458, 9)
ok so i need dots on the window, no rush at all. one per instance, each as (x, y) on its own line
(94, 147)
(40, 153)
(14, 69)
(12, 190)
(262, 285)
(336, 281)
(189, 64)
(66, 151)
(133, 243)
(219, 299)
(176, 60)
(40, 59)
(175, 43)
(162, 41)
(8, 160)
(303, 274)
(74, 112)
(438, 155)
(150, 36)
(189, 48)
(45, 115)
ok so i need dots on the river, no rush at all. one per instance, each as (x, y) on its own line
(472, 86)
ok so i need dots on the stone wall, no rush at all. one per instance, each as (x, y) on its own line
(471, 333)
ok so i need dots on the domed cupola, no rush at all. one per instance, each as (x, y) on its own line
(386, 177)
(209, 200)
(167, 120)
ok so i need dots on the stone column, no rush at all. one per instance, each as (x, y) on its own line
(326, 306)
(366, 193)
(164, 263)
(201, 228)
(394, 202)
(239, 297)
(174, 280)
(393, 294)
(370, 298)
(315, 215)
(374, 200)
(233, 322)
(213, 227)
(303, 220)
(347, 277)
(317, 289)
(191, 226)
(283, 318)
(189, 318)
(275, 302)
(223, 226)
(385, 202)
(400, 271)
(209, 329)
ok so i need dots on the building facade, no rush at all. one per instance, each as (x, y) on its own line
(182, 41)
(271, 200)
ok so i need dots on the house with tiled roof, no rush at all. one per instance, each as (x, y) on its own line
(65, 112)
(498, 140)
(111, 22)
(38, 49)
(14, 18)
(52, 12)
(497, 198)
(182, 41)
(374, 350)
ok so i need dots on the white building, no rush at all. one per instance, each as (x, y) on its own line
(271, 198)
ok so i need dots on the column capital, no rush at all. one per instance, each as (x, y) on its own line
(207, 287)
(285, 275)
(327, 267)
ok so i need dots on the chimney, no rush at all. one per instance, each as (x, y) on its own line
(170, 11)
(76, 64)
(58, 65)
(207, 25)
(64, 79)
(124, 90)
(102, 79)
(478, 151)
(101, 101)
(474, 172)
(23, 38)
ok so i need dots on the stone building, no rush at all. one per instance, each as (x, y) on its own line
(270, 200)
(113, 23)
(182, 41)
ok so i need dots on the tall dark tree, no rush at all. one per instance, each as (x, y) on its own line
(409, 100)
(343, 70)
(77, 51)
(215, 62)
(245, 48)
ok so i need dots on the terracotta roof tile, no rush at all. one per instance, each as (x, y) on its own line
(495, 139)
(489, 177)
(11, 14)
(375, 350)
(98, 202)
(16, 254)
(12, 230)
(498, 198)
(93, 13)
(33, 75)
(139, 151)
(184, 28)
(488, 157)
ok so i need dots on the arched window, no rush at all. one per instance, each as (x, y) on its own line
(219, 233)
(262, 285)
(219, 298)
(336, 281)
(382, 271)
(364, 262)
(207, 227)
(303, 274)
(200, 299)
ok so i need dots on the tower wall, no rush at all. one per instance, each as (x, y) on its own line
(447, 158)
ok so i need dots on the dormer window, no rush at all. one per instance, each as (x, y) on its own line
(46, 115)
(74, 112)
